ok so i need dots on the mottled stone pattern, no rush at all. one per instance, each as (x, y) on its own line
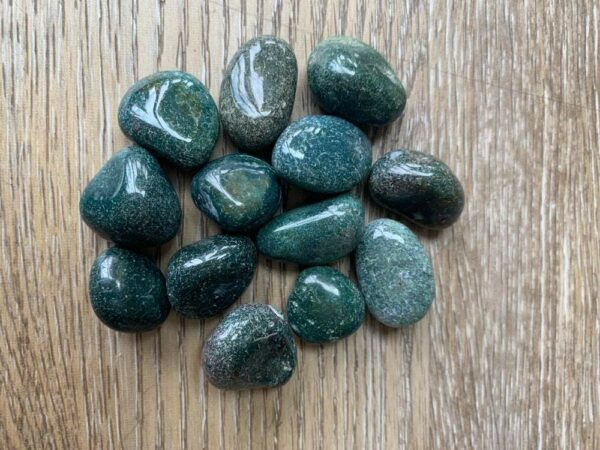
(394, 273)
(324, 305)
(172, 114)
(322, 154)
(127, 291)
(253, 347)
(352, 80)
(239, 192)
(257, 93)
(131, 201)
(205, 278)
(417, 186)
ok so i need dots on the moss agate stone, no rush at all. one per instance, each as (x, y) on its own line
(131, 201)
(127, 291)
(322, 154)
(257, 93)
(352, 80)
(172, 114)
(324, 305)
(394, 273)
(252, 347)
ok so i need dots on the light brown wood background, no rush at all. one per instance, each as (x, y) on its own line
(509, 356)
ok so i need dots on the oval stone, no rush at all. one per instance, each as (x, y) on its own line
(172, 114)
(322, 154)
(352, 80)
(257, 93)
(394, 273)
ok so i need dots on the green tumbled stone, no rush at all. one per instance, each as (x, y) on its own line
(394, 273)
(417, 186)
(352, 80)
(239, 192)
(172, 114)
(205, 278)
(131, 201)
(257, 93)
(322, 154)
(127, 291)
(315, 234)
(325, 305)
(252, 347)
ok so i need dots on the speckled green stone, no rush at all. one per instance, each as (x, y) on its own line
(127, 291)
(257, 93)
(352, 80)
(205, 278)
(394, 273)
(417, 186)
(172, 114)
(315, 234)
(131, 201)
(253, 347)
(322, 154)
(239, 192)
(324, 305)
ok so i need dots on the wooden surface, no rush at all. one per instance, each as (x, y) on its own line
(509, 356)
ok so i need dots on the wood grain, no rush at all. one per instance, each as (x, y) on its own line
(507, 93)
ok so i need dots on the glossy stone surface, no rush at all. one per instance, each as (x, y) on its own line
(314, 234)
(325, 305)
(394, 273)
(127, 291)
(257, 93)
(131, 201)
(172, 114)
(239, 192)
(417, 186)
(205, 278)
(252, 347)
(322, 154)
(352, 80)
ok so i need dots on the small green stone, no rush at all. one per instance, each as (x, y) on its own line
(172, 114)
(131, 201)
(253, 347)
(325, 305)
(128, 291)
(322, 154)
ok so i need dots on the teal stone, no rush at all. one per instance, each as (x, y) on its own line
(352, 80)
(394, 273)
(131, 201)
(173, 115)
(324, 305)
(239, 192)
(205, 278)
(127, 291)
(419, 187)
(314, 234)
(323, 154)
(257, 93)
(252, 347)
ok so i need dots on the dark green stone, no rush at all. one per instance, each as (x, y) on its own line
(417, 186)
(315, 234)
(352, 80)
(128, 291)
(205, 278)
(325, 305)
(257, 93)
(131, 201)
(322, 154)
(172, 114)
(252, 347)
(394, 273)
(239, 192)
